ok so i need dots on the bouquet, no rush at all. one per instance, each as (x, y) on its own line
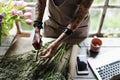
(11, 12)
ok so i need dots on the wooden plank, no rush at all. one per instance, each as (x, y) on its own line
(21, 45)
(3, 50)
(76, 51)
(6, 43)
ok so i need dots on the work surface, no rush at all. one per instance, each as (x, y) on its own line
(24, 44)
(24, 67)
(109, 45)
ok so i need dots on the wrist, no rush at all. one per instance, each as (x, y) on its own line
(38, 24)
(68, 31)
(37, 30)
(56, 43)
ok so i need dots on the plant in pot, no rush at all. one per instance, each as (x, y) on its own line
(11, 12)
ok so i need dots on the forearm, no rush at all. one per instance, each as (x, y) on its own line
(80, 14)
(39, 9)
(39, 12)
(82, 11)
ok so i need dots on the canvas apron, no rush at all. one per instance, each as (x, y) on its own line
(60, 16)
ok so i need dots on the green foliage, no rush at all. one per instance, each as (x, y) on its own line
(8, 20)
(12, 12)
(23, 66)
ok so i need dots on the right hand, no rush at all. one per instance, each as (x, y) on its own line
(37, 40)
(49, 52)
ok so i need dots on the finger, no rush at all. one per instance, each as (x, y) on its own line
(34, 43)
(38, 46)
(40, 43)
(47, 54)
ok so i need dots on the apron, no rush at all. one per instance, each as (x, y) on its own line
(60, 16)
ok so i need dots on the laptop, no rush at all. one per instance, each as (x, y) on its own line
(106, 64)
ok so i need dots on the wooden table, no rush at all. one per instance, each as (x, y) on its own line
(21, 45)
(6, 42)
(109, 44)
(25, 44)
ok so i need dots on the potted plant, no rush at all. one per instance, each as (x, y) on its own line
(11, 12)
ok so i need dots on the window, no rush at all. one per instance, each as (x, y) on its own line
(24, 30)
(105, 15)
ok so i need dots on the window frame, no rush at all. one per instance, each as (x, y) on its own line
(104, 8)
(106, 5)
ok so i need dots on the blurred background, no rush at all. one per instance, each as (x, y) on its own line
(105, 16)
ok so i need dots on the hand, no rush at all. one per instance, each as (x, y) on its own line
(37, 42)
(50, 51)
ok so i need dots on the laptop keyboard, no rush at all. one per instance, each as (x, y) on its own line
(110, 70)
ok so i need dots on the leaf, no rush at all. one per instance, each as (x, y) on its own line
(5, 31)
(1, 6)
(10, 26)
(20, 7)
(9, 6)
(12, 18)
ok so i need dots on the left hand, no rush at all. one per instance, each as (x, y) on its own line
(50, 51)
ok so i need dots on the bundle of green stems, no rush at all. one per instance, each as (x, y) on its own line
(48, 68)
(23, 67)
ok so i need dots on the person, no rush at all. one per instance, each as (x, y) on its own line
(68, 21)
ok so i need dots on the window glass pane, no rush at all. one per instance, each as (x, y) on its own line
(23, 26)
(94, 19)
(112, 21)
(99, 1)
(26, 27)
(114, 1)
